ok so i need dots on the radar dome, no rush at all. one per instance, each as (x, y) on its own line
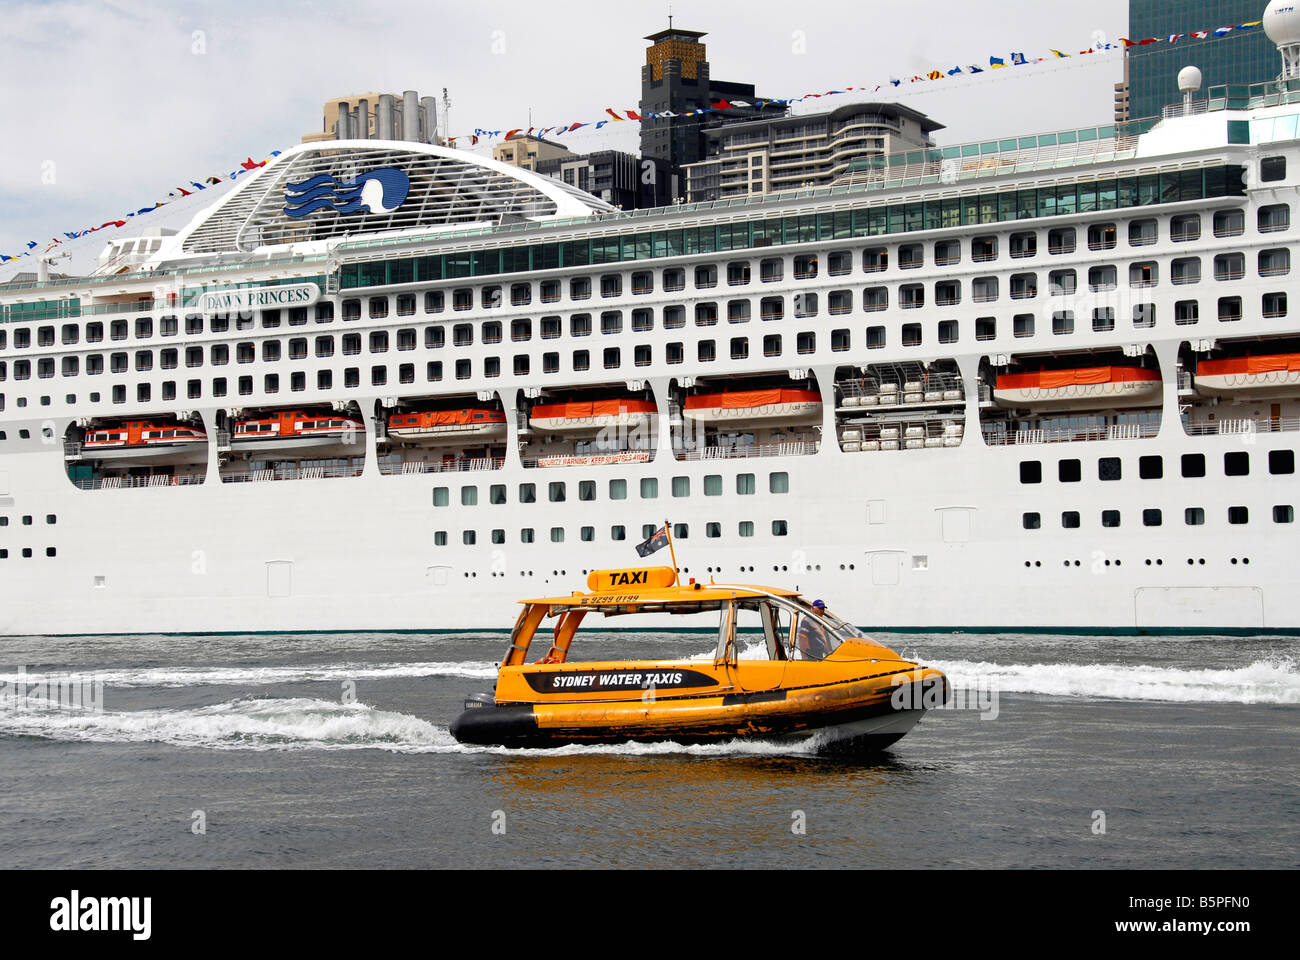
(1282, 22)
(1189, 79)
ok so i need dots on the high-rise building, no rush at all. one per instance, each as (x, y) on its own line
(805, 150)
(1152, 71)
(676, 78)
(529, 152)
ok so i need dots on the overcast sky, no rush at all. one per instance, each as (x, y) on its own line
(112, 103)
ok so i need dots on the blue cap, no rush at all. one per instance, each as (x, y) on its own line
(819, 604)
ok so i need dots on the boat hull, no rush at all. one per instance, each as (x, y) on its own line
(858, 716)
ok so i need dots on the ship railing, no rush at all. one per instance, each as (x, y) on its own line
(589, 459)
(118, 483)
(72, 449)
(309, 471)
(1241, 426)
(1195, 108)
(457, 465)
(789, 448)
(1114, 431)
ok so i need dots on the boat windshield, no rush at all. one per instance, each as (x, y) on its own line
(817, 633)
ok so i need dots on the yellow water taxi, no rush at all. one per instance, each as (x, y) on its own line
(805, 674)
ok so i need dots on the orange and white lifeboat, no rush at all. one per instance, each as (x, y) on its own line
(1083, 388)
(470, 423)
(592, 415)
(314, 434)
(774, 406)
(146, 441)
(1271, 375)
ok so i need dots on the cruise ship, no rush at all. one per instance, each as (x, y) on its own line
(1047, 382)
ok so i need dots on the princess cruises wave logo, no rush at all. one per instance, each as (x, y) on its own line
(375, 191)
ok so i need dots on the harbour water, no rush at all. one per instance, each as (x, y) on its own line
(323, 751)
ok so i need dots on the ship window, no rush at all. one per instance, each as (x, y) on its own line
(681, 486)
(1023, 325)
(324, 312)
(117, 330)
(351, 309)
(271, 383)
(707, 351)
(611, 285)
(1185, 227)
(1110, 518)
(555, 492)
(434, 337)
(557, 534)
(1185, 270)
(1109, 468)
(911, 336)
(433, 371)
(778, 482)
(745, 528)
(1272, 168)
(618, 532)
(1070, 519)
(1144, 315)
(469, 496)
(674, 280)
(1141, 233)
(462, 299)
(586, 489)
(805, 266)
(649, 488)
(1062, 283)
(713, 485)
(1281, 461)
(674, 317)
(1193, 464)
(875, 338)
(219, 354)
(876, 260)
(1103, 278)
(1283, 513)
(874, 299)
(1103, 319)
(527, 493)
(648, 530)
(1069, 471)
(745, 485)
(772, 345)
(1031, 471)
(911, 296)
(1151, 468)
(378, 376)
(738, 311)
(1187, 312)
(580, 288)
(643, 320)
(462, 369)
(706, 314)
(581, 360)
(1144, 274)
(1274, 218)
(527, 535)
(95, 331)
(780, 528)
(324, 379)
(580, 325)
(550, 363)
(468, 537)
(1238, 515)
(434, 302)
(1230, 223)
(983, 249)
(618, 489)
(498, 536)
(611, 322)
(1236, 464)
(1031, 521)
(1229, 309)
(440, 496)
(1229, 266)
(324, 347)
(490, 297)
(218, 388)
(1101, 236)
(1063, 322)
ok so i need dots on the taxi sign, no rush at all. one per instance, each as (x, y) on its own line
(600, 580)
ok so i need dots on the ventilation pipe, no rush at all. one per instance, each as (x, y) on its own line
(410, 115)
(384, 118)
(363, 118)
(429, 112)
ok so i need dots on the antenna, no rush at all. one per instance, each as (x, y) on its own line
(446, 110)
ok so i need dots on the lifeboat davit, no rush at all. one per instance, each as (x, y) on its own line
(821, 681)
(156, 442)
(1084, 388)
(1271, 375)
(470, 423)
(302, 432)
(774, 406)
(592, 415)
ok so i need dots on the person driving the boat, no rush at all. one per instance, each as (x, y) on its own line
(811, 639)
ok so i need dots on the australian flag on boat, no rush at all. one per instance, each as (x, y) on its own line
(658, 540)
(382, 190)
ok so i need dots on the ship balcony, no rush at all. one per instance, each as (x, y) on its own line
(1242, 426)
(1114, 431)
(787, 448)
(116, 483)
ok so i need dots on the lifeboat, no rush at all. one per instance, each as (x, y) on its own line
(1085, 388)
(157, 442)
(592, 415)
(470, 423)
(775, 406)
(1272, 375)
(817, 678)
(314, 434)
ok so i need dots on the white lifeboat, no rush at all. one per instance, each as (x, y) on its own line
(430, 426)
(1272, 375)
(157, 442)
(592, 415)
(302, 432)
(1083, 388)
(774, 406)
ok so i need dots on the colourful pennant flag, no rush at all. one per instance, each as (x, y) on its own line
(1175, 37)
(954, 71)
(935, 75)
(1018, 58)
(997, 62)
(1059, 55)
